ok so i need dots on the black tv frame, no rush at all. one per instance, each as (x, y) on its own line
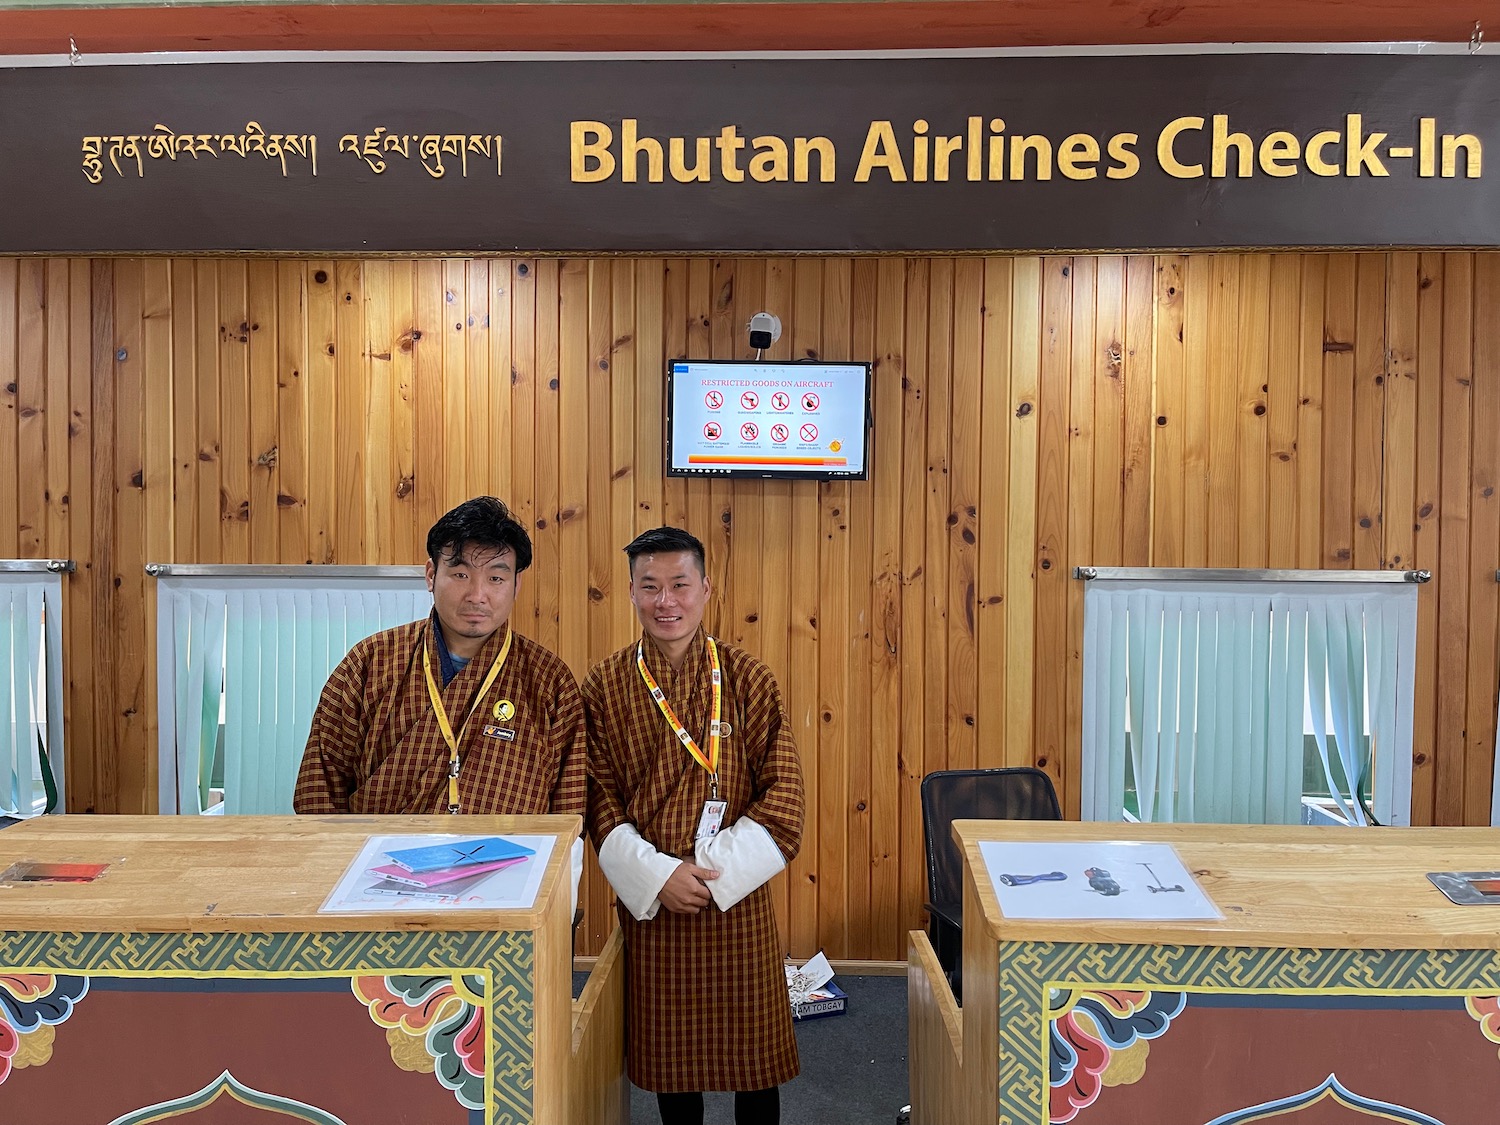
(668, 403)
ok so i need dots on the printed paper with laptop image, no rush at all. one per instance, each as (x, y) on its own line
(440, 872)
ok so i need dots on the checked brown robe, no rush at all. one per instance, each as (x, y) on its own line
(706, 998)
(375, 745)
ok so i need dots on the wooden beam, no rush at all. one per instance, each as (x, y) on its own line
(847, 25)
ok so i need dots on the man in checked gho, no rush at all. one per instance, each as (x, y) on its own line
(695, 802)
(455, 713)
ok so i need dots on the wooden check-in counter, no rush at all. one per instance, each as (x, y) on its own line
(195, 980)
(1339, 986)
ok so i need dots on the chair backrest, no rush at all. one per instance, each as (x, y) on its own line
(1020, 793)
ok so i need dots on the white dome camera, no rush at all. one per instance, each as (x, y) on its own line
(765, 330)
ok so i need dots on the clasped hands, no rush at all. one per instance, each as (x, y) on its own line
(686, 889)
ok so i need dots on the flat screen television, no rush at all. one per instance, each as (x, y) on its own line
(769, 420)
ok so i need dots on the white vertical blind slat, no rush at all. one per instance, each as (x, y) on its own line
(10, 764)
(1213, 683)
(1093, 792)
(1118, 666)
(1166, 801)
(1187, 710)
(32, 790)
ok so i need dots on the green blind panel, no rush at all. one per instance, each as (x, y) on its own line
(282, 647)
(259, 649)
(1203, 694)
(30, 700)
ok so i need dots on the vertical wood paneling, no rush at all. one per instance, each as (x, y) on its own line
(574, 446)
(1427, 525)
(913, 754)
(1456, 342)
(159, 378)
(291, 411)
(1031, 415)
(376, 351)
(1283, 461)
(1253, 359)
(31, 402)
(58, 539)
(1369, 413)
(10, 512)
(1053, 582)
(183, 405)
(409, 539)
(1484, 546)
(105, 753)
(1020, 587)
(1311, 401)
(1221, 377)
(886, 704)
(234, 410)
(834, 812)
(965, 411)
(134, 752)
(521, 438)
(84, 718)
(993, 509)
(1139, 360)
(861, 653)
(800, 681)
(1169, 514)
(1093, 404)
(776, 509)
(546, 475)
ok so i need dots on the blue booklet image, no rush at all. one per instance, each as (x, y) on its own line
(460, 853)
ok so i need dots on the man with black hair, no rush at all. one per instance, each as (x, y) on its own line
(695, 803)
(455, 713)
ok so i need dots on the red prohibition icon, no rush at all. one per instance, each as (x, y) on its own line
(714, 400)
(712, 431)
(810, 401)
(780, 400)
(779, 432)
(809, 432)
(749, 400)
(749, 431)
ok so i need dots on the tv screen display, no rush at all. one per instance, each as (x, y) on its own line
(754, 418)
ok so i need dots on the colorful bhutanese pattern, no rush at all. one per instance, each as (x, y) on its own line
(31, 1006)
(1330, 1089)
(434, 1024)
(1099, 1038)
(1486, 1009)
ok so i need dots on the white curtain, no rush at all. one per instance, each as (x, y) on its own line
(267, 645)
(1206, 686)
(31, 719)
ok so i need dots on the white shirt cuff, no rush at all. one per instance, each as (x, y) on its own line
(576, 862)
(745, 857)
(636, 871)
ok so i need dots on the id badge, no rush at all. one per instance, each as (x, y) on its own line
(711, 820)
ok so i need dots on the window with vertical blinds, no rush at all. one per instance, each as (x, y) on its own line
(1215, 701)
(255, 646)
(31, 709)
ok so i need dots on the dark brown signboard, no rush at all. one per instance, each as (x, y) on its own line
(1005, 153)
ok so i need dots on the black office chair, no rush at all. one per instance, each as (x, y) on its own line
(1019, 793)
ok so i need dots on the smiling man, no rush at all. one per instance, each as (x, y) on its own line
(455, 713)
(695, 802)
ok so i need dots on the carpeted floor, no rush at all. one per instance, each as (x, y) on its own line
(854, 1069)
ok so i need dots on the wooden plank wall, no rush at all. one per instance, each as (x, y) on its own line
(1031, 414)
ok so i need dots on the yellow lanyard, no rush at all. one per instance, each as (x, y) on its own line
(442, 713)
(710, 762)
